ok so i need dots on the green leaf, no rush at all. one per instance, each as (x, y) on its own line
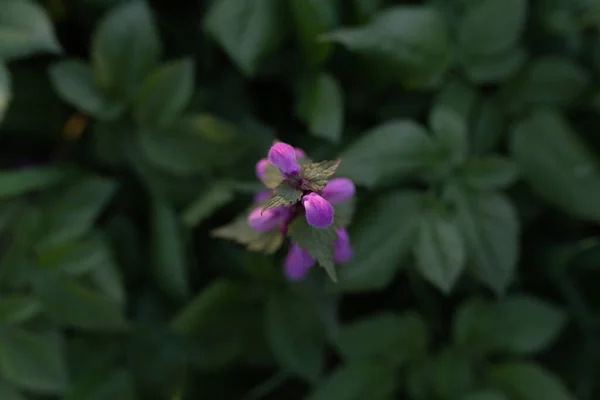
(344, 213)
(17, 183)
(494, 68)
(356, 381)
(33, 361)
(117, 384)
(490, 227)
(5, 90)
(273, 177)
(73, 81)
(314, 17)
(489, 173)
(393, 338)
(296, 335)
(385, 236)
(450, 133)
(16, 309)
(284, 195)
(486, 395)
(390, 152)
(488, 127)
(528, 381)
(25, 30)
(561, 169)
(318, 174)
(409, 42)
(170, 264)
(321, 106)
(164, 94)
(317, 242)
(73, 305)
(7, 392)
(440, 250)
(246, 29)
(125, 48)
(518, 324)
(492, 26)
(210, 200)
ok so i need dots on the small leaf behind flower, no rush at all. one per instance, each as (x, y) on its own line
(318, 243)
(285, 195)
(273, 177)
(318, 174)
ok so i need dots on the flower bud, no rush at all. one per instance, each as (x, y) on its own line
(343, 249)
(319, 212)
(261, 168)
(297, 263)
(283, 156)
(261, 221)
(338, 190)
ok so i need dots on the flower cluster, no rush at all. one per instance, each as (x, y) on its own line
(315, 206)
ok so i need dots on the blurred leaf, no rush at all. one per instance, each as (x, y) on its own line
(489, 173)
(73, 305)
(25, 30)
(318, 174)
(73, 81)
(321, 105)
(410, 41)
(485, 395)
(33, 361)
(283, 195)
(440, 250)
(210, 200)
(7, 392)
(561, 169)
(344, 213)
(452, 374)
(164, 94)
(366, 9)
(295, 334)
(273, 177)
(5, 90)
(16, 309)
(246, 29)
(488, 127)
(17, 183)
(389, 152)
(114, 385)
(496, 68)
(450, 132)
(490, 226)
(381, 241)
(314, 17)
(170, 264)
(317, 242)
(394, 338)
(125, 48)
(528, 381)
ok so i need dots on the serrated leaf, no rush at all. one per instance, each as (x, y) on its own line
(317, 242)
(285, 195)
(318, 174)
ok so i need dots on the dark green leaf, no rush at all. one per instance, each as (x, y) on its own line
(7, 392)
(115, 385)
(494, 68)
(33, 361)
(25, 30)
(489, 173)
(387, 153)
(448, 375)
(321, 106)
(314, 17)
(125, 48)
(5, 90)
(15, 309)
(528, 381)
(73, 81)
(17, 183)
(285, 195)
(450, 133)
(344, 213)
(317, 242)
(246, 29)
(164, 94)
(488, 129)
(486, 395)
(210, 200)
(318, 174)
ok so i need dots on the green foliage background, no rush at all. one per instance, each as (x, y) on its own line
(130, 130)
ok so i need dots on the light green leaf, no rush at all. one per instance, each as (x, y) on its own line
(440, 250)
(7, 392)
(246, 29)
(317, 242)
(410, 42)
(390, 226)
(210, 200)
(318, 174)
(528, 381)
(558, 164)
(73, 81)
(321, 107)
(284, 195)
(33, 361)
(272, 177)
(25, 30)
(170, 264)
(164, 94)
(16, 309)
(489, 173)
(387, 153)
(125, 48)
(314, 17)
(5, 90)
(17, 183)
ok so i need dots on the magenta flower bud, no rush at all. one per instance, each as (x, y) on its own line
(283, 156)
(261, 168)
(338, 190)
(297, 263)
(343, 249)
(261, 221)
(261, 197)
(319, 212)
(300, 154)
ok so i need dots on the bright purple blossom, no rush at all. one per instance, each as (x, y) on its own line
(265, 221)
(261, 168)
(297, 263)
(283, 156)
(339, 190)
(343, 249)
(319, 212)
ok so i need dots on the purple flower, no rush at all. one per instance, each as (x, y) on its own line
(283, 156)
(338, 190)
(261, 168)
(319, 212)
(300, 154)
(297, 263)
(343, 249)
(263, 196)
(261, 221)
